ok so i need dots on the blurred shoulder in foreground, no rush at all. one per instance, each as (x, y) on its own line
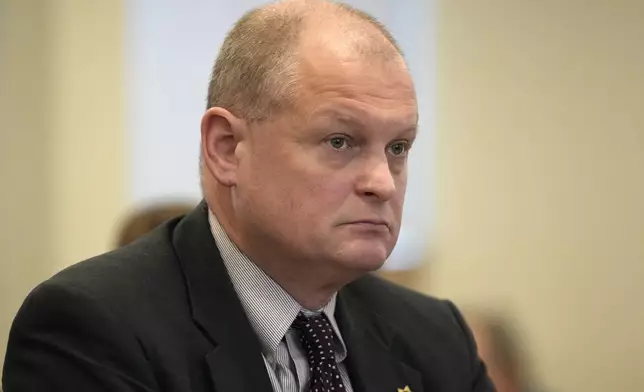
(502, 350)
(142, 220)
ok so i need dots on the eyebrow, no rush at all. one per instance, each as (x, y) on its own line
(352, 121)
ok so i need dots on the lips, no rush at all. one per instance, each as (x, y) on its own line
(367, 222)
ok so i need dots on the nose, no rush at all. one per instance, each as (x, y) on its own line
(376, 181)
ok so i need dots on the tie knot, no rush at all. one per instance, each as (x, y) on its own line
(315, 331)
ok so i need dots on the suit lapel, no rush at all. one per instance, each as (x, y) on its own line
(236, 363)
(370, 344)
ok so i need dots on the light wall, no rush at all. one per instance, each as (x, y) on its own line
(541, 179)
(23, 158)
(61, 139)
(87, 120)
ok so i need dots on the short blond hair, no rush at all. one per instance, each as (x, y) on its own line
(254, 75)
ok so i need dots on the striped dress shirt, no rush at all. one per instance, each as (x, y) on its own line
(271, 312)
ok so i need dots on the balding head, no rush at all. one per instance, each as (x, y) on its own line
(257, 71)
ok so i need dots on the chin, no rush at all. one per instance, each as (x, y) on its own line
(365, 257)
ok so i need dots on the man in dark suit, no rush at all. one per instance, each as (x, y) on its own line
(265, 286)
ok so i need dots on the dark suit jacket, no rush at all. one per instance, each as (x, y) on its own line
(162, 315)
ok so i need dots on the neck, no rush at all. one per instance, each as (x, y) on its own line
(311, 290)
(311, 284)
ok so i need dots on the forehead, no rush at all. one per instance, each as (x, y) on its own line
(347, 86)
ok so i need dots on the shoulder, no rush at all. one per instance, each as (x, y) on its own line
(408, 311)
(125, 279)
(85, 325)
(383, 297)
(427, 333)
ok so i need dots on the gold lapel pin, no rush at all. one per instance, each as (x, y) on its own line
(405, 389)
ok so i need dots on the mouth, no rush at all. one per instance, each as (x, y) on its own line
(370, 223)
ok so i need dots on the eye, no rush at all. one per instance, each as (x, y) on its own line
(399, 149)
(339, 142)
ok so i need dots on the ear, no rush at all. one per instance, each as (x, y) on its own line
(221, 132)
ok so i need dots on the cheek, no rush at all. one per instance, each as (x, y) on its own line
(295, 185)
(319, 186)
(318, 198)
(259, 185)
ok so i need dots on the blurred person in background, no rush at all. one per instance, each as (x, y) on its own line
(502, 351)
(143, 220)
(265, 286)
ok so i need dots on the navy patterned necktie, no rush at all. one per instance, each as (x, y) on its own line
(316, 336)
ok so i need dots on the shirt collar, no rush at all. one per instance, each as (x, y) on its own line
(269, 308)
